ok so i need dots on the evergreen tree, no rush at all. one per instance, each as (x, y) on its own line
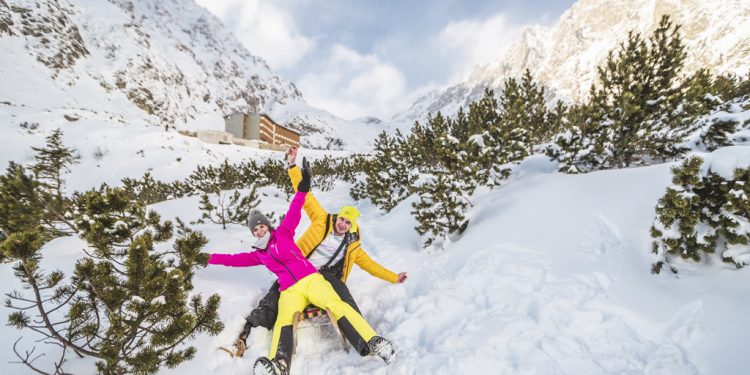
(327, 172)
(421, 141)
(643, 108)
(21, 208)
(525, 114)
(51, 163)
(440, 207)
(127, 304)
(703, 213)
(350, 168)
(734, 222)
(444, 189)
(730, 87)
(388, 179)
(147, 190)
(209, 179)
(718, 134)
(487, 147)
(274, 172)
(678, 214)
(513, 131)
(228, 208)
(3, 236)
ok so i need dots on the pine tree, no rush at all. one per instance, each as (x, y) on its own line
(730, 87)
(444, 188)
(514, 130)
(525, 112)
(388, 179)
(21, 208)
(3, 236)
(274, 172)
(734, 222)
(643, 107)
(147, 190)
(440, 207)
(327, 171)
(51, 163)
(678, 214)
(487, 147)
(209, 179)
(718, 134)
(127, 304)
(420, 143)
(228, 208)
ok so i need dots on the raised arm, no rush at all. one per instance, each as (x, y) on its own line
(293, 215)
(312, 207)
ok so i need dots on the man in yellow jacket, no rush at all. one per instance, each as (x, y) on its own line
(332, 243)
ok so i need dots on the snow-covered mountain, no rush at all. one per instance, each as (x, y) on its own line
(158, 62)
(564, 58)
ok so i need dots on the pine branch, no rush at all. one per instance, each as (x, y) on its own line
(25, 360)
(45, 317)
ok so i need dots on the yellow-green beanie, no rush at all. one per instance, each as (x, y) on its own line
(350, 213)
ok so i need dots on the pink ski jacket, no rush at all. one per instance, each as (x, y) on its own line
(281, 256)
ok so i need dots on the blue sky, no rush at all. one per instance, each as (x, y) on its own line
(373, 58)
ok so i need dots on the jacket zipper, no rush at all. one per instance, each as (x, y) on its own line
(287, 268)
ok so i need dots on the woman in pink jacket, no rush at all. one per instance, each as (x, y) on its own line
(300, 285)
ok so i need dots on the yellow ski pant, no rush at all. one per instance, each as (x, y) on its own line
(316, 290)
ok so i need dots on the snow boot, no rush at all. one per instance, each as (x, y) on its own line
(265, 366)
(382, 348)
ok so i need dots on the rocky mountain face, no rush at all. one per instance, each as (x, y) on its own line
(564, 58)
(170, 62)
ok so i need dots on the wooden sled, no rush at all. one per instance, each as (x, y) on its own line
(311, 312)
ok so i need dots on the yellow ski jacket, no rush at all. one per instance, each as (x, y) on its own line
(321, 226)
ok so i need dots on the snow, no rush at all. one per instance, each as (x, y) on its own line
(159, 300)
(726, 159)
(551, 276)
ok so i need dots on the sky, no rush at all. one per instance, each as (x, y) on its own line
(374, 58)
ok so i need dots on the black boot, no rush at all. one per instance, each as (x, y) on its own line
(245, 332)
(382, 348)
(265, 366)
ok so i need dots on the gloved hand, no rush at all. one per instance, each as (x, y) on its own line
(304, 184)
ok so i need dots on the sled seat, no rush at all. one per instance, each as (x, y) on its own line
(312, 311)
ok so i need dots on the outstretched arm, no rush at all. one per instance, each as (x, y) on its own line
(374, 268)
(235, 260)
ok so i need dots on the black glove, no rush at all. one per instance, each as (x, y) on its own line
(304, 184)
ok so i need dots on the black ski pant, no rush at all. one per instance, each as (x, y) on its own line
(264, 315)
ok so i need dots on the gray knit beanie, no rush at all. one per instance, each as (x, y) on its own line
(257, 217)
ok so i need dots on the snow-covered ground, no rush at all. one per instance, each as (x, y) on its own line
(551, 277)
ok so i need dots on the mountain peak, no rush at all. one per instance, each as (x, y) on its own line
(564, 58)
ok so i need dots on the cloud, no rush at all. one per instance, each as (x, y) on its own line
(467, 43)
(265, 29)
(351, 85)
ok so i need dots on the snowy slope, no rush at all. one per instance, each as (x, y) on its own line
(551, 277)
